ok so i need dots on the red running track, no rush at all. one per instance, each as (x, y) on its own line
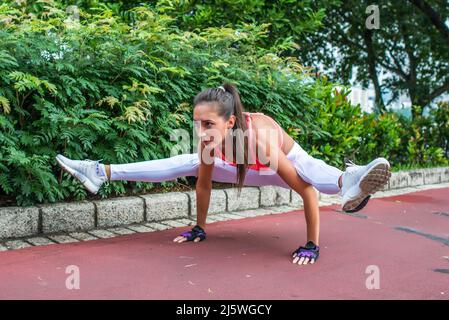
(406, 237)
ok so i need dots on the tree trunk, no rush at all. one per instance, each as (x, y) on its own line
(367, 37)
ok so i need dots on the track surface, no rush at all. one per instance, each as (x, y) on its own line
(406, 237)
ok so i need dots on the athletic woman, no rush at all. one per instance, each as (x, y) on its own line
(247, 149)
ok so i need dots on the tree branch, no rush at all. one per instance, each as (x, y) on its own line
(399, 72)
(439, 91)
(398, 65)
(433, 16)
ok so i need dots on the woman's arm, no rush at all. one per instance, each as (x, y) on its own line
(203, 188)
(203, 191)
(270, 153)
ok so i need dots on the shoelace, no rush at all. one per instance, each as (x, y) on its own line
(351, 169)
(349, 163)
(87, 163)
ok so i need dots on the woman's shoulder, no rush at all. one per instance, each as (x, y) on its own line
(260, 119)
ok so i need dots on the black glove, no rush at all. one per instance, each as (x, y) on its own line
(310, 251)
(196, 232)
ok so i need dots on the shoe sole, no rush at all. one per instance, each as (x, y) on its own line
(356, 204)
(373, 181)
(376, 178)
(361, 205)
(79, 176)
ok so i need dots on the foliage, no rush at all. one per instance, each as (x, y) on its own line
(115, 88)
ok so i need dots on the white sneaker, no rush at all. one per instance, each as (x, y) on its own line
(90, 173)
(360, 182)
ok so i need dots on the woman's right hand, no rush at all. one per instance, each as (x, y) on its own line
(197, 234)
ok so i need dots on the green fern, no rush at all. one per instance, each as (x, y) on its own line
(4, 103)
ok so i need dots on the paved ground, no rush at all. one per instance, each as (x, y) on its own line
(405, 238)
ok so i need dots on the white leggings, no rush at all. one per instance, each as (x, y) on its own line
(314, 171)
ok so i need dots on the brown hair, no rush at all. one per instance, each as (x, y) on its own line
(228, 103)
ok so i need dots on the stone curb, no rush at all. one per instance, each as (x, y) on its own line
(22, 227)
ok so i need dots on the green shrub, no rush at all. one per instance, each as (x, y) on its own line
(106, 89)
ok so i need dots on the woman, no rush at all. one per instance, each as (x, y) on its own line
(240, 147)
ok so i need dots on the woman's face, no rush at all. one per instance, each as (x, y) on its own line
(210, 127)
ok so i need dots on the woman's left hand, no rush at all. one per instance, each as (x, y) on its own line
(304, 255)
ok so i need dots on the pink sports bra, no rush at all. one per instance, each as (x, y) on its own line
(258, 165)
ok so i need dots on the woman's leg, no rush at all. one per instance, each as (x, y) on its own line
(187, 165)
(356, 184)
(224, 172)
(157, 170)
(315, 172)
(93, 174)
(323, 177)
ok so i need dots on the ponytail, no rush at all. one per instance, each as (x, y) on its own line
(240, 141)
